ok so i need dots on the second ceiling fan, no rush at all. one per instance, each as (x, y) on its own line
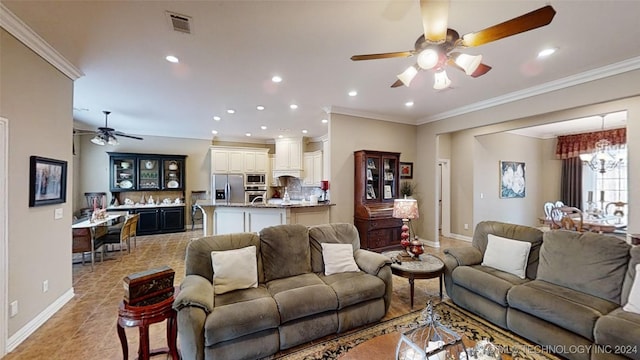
(434, 48)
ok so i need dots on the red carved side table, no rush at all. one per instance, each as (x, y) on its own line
(142, 317)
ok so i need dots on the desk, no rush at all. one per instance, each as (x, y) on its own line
(606, 225)
(92, 226)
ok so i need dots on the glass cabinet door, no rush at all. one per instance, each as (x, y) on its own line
(390, 178)
(172, 174)
(149, 174)
(373, 178)
(124, 174)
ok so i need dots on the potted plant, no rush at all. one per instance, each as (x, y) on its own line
(407, 188)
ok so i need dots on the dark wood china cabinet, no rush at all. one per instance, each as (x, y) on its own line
(377, 184)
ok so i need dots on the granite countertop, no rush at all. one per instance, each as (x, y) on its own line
(295, 204)
(146, 206)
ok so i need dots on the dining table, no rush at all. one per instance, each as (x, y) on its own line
(93, 224)
(609, 224)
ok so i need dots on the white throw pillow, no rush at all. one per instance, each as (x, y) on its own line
(338, 258)
(633, 303)
(507, 255)
(234, 269)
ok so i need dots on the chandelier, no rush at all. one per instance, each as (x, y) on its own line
(603, 158)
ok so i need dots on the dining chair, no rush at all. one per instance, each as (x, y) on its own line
(124, 236)
(133, 228)
(196, 214)
(568, 218)
(548, 207)
(616, 208)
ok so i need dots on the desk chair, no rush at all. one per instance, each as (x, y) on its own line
(196, 214)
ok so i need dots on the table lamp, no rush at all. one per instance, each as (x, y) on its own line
(405, 209)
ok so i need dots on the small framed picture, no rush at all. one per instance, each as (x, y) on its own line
(47, 181)
(406, 170)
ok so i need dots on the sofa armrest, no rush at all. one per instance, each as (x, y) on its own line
(465, 255)
(195, 291)
(370, 262)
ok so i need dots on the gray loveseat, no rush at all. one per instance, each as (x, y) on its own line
(294, 301)
(571, 298)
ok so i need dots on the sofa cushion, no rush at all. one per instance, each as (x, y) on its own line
(507, 255)
(486, 281)
(633, 301)
(338, 258)
(630, 276)
(587, 262)
(240, 313)
(561, 306)
(234, 269)
(302, 295)
(285, 251)
(336, 233)
(621, 331)
(354, 287)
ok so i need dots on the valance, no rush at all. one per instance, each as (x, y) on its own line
(569, 146)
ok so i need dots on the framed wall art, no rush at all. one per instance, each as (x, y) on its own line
(512, 179)
(47, 181)
(406, 170)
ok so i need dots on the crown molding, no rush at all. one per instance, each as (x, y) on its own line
(370, 115)
(21, 31)
(569, 81)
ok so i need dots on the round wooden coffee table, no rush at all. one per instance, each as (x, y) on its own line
(427, 267)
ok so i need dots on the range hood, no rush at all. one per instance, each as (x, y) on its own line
(288, 158)
(288, 173)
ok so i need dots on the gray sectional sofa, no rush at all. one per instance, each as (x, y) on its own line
(294, 301)
(571, 298)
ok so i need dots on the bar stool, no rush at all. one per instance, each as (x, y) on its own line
(142, 317)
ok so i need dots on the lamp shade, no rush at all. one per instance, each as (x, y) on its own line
(468, 63)
(441, 80)
(98, 140)
(428, 58)
(407, 76)
(405, 209)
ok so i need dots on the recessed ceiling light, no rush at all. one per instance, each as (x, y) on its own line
(276, 79)
(216, 118)
(546, 52)
(263, 127)
(408, 104)
(353, 93)
(304, 131)
(293, 106)
(231, 111)
(247, 134)
(324, 121)
(260, 107)
(280, 136)
(214, 132)
(173, 59)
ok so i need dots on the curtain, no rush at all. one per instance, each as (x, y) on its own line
(571, 182)
(569, 146)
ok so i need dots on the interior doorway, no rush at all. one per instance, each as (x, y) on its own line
(444, 197)
(4, 149)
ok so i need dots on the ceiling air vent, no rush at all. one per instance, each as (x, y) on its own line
(179, 22)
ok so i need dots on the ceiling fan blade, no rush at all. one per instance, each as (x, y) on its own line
(128, 136)
(520, 24)
(481, 70)
(396, 84)
(435, 15)
(382, 56)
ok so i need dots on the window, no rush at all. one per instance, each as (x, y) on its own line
(607, 187)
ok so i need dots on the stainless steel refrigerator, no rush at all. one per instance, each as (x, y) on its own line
(227, 188)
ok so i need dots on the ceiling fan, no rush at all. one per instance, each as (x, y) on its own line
(435, 48)
(106, 135)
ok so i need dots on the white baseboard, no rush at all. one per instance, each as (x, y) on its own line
(460, 237)
(33, 325)
(431, 243)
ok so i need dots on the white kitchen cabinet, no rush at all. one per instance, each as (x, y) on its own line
(289, 154)
(239, 160)
(228, 220)
(273, 180)
(256, 161)
(260, 218)
(219, 161)
(312, 168)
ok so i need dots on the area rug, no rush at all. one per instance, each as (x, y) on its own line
(451, 315)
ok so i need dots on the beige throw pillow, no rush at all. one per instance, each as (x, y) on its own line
(507, 255)
(338, 258)
(234, 269)
(633, 303)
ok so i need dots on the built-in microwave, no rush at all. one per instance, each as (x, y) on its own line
(255, 180)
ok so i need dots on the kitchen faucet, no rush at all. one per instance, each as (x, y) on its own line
(256, 198)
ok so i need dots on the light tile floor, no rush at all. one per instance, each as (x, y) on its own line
(85, 328)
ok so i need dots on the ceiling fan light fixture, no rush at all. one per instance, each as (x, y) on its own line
(112, 141)
(98, 140)
(408, 75)
(468, 63)
(442, 81)
(428, 58)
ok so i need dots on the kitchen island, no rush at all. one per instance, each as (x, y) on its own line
(233, 218)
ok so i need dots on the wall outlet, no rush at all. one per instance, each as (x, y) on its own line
(466, 226)
(14, 308)
(45, 286)
(57, 214)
